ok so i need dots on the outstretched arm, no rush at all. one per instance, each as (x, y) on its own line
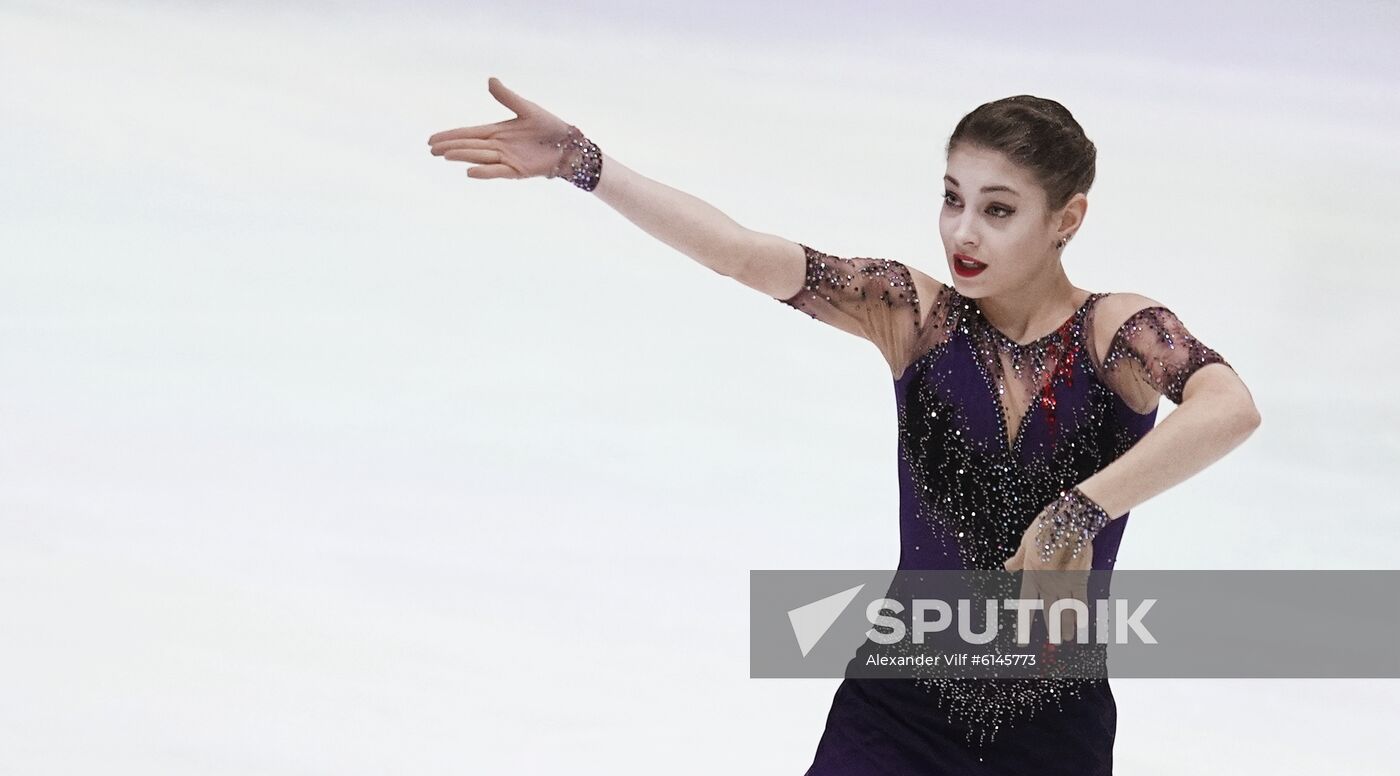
(538, 144)
(877, 299)
(765, 262)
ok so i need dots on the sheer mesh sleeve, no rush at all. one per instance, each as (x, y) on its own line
(871, 298)
(1153, 354)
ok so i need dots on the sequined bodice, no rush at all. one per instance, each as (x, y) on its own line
(1024, 374)
(991, 430)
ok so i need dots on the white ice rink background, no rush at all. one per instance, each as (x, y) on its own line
(317, 456)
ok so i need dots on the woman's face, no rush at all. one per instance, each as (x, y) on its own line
(994, 212)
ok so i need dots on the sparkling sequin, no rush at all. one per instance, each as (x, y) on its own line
(1069, 523)
(1156, 350)
(866, 296)
(991, 432)
(580, 160)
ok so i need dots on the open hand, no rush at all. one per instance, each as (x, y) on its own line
(526, 146)
(1064, 575)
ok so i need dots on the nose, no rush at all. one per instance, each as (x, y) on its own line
(964, 234)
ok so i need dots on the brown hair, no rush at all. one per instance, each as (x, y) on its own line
(1038, 134)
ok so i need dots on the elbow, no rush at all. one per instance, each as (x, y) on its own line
(1231, 405)
(1247, 418)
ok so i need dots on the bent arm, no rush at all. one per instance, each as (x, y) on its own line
(764, 262)
(1151, 354)
(1216, 415)
(872, 298)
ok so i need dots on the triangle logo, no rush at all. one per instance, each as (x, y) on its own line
(811, 621)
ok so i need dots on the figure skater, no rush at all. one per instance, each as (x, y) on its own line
(1026, 405)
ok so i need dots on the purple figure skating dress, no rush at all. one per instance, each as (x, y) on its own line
(990, 430)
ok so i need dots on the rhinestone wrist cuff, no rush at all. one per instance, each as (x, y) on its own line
(580, 160)
(1073, 520)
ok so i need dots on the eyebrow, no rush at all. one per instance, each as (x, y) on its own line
(985, 189)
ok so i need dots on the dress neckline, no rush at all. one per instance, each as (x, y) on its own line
(1006, 340)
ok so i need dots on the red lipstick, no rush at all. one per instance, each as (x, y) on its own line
(966, 266)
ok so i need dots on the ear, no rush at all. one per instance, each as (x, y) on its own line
(1072, 214)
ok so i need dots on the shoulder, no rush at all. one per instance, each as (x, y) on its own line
(927, 285)
(1111, 311)
(933, 293)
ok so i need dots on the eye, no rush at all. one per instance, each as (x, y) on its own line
(994, 210)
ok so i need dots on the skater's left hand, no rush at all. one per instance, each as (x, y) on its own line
(1028, 556)
(1056, 555)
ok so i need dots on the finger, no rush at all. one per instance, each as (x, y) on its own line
(1071, 588)
(1016, 561)
(474, 155)
(461, 133)
(1027, 594)
(491, 171)
(1053, 591)
(444, 146)
(1038, 589)
(1068, 624)
(1045, 596)
(1081, 592)
(506, 97)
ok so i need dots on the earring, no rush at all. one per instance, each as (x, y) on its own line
(1062, 241)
